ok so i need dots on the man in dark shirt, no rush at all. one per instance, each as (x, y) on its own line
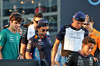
(83, 57)
(41, 41)
(71, 37)
(29, 32)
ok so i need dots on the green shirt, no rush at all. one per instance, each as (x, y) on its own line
(10, 44)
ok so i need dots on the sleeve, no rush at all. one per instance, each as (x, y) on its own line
(98, 42)
(24, 38)
(29, 46)
(2, 39)
(61, 33)
(70, 60)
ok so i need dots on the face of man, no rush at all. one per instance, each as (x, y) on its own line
(77, 24)
(43, 30)
(36, 21)
(88, 25)
(87, 49)
(15, 25)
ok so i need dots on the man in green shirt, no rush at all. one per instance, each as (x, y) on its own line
(9, 38)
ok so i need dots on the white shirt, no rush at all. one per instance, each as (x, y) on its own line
(31, 31)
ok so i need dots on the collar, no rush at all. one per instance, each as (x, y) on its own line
(41, 37)
(94, 30)
(81, 54)
(74, 27)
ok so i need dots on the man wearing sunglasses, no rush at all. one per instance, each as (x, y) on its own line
(41, 41)
(32, 28)
(94, 34)
(71, 37)
(9, 38)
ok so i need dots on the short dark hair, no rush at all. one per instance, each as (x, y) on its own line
(90, 19)
(88, 39)
(16, 16)
(39, 15)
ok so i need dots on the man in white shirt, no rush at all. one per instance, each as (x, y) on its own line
(32, 28)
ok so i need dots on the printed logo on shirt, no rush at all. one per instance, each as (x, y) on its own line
(49, 40)
(39, 39)
(36, 37)
(40, 43)
(0, 37)
(17, 37)
(68, 59)
(11, 38)
(80, 61)
(79, 57)
(28, 46)
(91, 61)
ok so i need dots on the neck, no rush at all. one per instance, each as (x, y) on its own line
(41, 35)
(83, 53)
(13, 31)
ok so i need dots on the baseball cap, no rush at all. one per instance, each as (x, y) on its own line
(42, 23)
(79, 16)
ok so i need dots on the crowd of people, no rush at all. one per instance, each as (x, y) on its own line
(76, 44)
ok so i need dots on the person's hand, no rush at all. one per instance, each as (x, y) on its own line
(95, 59)
(20, 57)
(64, 65)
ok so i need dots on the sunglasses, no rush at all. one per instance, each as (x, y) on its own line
(16, 16)
(86, 23)
(36, 21)
(43, 30)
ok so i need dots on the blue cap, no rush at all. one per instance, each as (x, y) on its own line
(42, 23)
(79, 16)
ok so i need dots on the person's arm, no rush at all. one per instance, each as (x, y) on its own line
(22, 49)
(71, 60)
(2, 41)
(24, 42)
(28, 49)
(28, 55)
(64, 65)
(0, 53)
(59, 37)
(54, 51)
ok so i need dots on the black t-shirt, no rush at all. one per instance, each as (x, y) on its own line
(77, 59)
(24, 37)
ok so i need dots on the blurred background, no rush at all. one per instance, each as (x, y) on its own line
(28, 8)
(58, 12)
